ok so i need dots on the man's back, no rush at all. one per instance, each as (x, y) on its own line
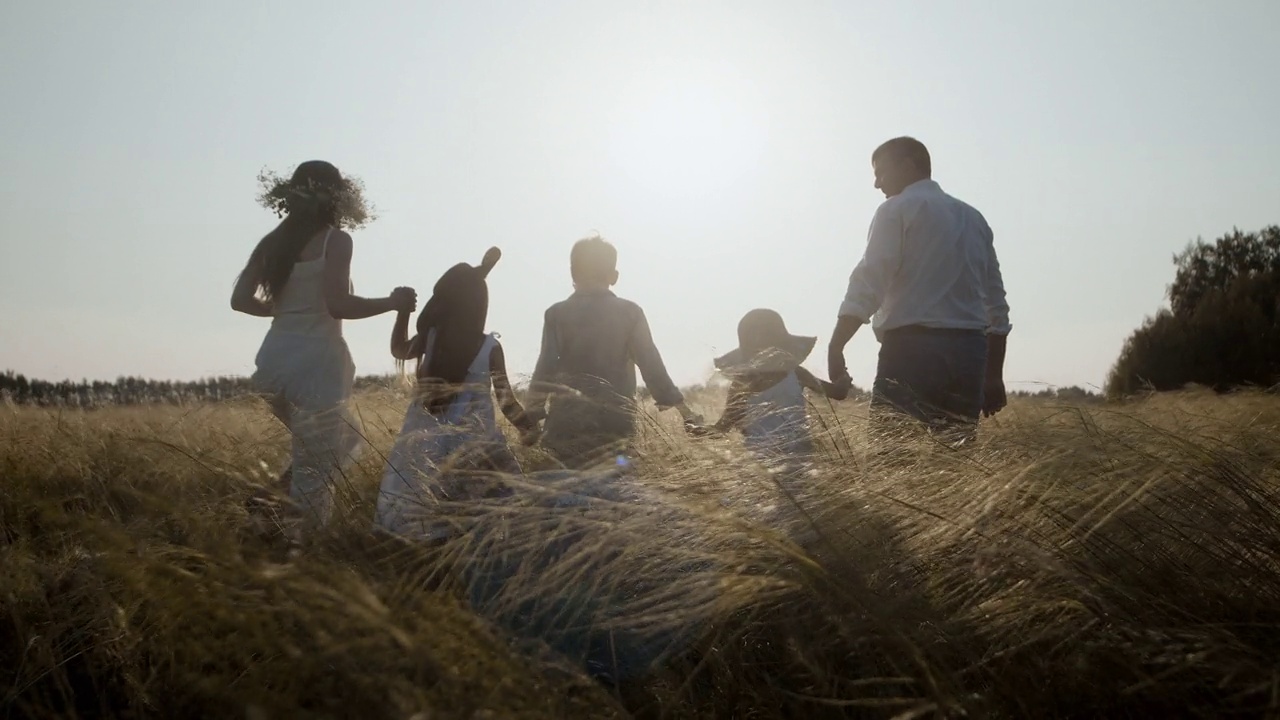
(930, 262)
(930, 284)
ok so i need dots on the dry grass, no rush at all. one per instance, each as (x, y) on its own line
(1097, 561)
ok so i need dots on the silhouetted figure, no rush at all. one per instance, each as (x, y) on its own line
(592, 344)
(299, 276)
(930, 284)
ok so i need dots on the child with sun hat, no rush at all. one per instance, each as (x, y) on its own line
(766, 400)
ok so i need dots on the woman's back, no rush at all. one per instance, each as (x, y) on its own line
(301, 308)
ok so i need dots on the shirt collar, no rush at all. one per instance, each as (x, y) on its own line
(925, 185)
(594, 292)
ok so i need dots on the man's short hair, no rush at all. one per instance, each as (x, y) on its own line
(905, 148)
(593, 258)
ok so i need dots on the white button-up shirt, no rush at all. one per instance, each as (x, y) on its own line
(930, 260)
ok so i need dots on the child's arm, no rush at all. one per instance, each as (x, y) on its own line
(649, 362)
(831, 390)
(507, 400)
(734, 408)
(654, 371)
(544, 372)
(401, 344)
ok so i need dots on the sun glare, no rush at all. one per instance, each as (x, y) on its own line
(689, 140)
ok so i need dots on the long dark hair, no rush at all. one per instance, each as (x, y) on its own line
(309, 202)
(456, 313)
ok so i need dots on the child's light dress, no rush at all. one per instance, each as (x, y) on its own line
(423, 467)
(775, 425)
(775, 429)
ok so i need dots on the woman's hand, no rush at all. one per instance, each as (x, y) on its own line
(404, 299)
(244, 296)
(343, 304)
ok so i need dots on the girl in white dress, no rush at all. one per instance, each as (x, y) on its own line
(450, 445)
(766, 396)
(299, 276)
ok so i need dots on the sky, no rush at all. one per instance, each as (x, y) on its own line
(724, 147)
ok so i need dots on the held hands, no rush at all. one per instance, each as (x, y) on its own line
(838, 373)
(840, 387)
(531, 428)
(693, 422)
(836, 369)
(695, 427)
(404, 299)
(846, 328)
(530, 437)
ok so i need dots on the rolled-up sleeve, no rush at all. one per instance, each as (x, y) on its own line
(649, 361)
(870, 279)
(997, 304)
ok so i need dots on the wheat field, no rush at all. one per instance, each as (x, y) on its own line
(1118, 560)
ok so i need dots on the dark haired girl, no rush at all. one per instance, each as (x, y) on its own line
(450, 437)
(299, 276)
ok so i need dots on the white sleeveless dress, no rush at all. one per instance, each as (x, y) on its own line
(416, 478)
(775, 425)
(776, 430)
(305, 370)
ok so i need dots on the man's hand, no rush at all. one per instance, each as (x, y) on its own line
(993, 396)
(846, 326)
(841, 387)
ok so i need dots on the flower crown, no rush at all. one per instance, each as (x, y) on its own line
(278, 193)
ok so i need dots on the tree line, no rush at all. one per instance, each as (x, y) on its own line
(19, 389)
(1221, 328)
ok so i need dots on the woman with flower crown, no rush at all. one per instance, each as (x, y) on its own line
(299, 276)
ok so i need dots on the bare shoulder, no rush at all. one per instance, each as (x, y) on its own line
(340, 240)
(497, 359)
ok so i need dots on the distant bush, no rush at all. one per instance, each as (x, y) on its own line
(21, 390)
(1074, 393)
(1222, 329)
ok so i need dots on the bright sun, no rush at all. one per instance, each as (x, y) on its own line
(689, 140)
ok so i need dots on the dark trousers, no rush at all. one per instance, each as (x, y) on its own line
(935, 376)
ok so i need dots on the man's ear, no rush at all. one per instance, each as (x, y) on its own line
(614, 281)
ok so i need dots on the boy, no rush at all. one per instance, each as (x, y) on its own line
(592, 344)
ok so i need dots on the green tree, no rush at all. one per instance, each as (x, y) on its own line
(1222, 329)
(1203, 268)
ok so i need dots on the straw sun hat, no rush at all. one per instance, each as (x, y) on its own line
(765, 345)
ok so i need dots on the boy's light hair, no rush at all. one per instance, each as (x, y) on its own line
(593, 259)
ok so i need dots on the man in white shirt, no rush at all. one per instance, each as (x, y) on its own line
(930, 284)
